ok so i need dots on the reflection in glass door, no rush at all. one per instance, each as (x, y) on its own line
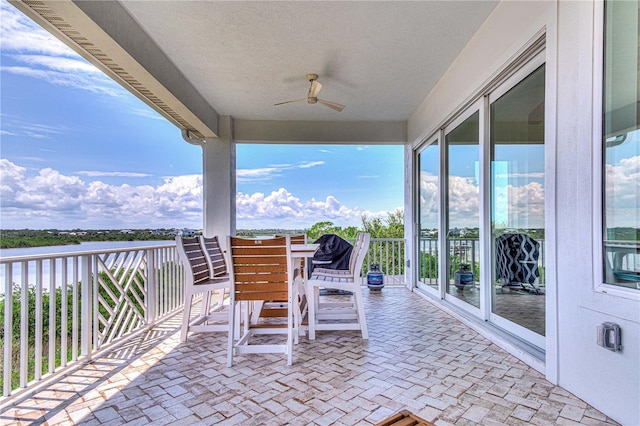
(517, 204)
(428, 166)
(463, 208)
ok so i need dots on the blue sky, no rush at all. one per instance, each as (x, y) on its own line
(79, 151)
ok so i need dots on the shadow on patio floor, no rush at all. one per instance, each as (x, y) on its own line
(417, 358)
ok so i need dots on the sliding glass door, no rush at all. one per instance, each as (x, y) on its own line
(517, 205)
(462, 215)
(429, 214)
(481, 206)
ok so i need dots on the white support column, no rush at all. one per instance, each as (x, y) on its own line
(219, 183)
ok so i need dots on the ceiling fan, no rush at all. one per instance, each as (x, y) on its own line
(312, 96)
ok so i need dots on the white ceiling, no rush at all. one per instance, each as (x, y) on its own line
(380, 59)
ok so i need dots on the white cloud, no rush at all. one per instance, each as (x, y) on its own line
(11, 178)
(283, 209)
(428, 200)
(36, 53)
(40, 55)
(515, 206)
(275, 170)
(533, 175)
(50, 199)
(96, 83)
(21, 34)
(94, 173)
(253, 175)
(30, 130)
(57, 63)
(309, 164)
(623, 193)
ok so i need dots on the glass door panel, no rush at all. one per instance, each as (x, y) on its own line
(517, 203)
(463, 209)
(621, 145)
(428, 167)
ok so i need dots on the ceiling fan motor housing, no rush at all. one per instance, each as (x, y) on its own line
(312, 96)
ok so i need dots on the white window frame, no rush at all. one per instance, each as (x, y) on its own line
(600, 286)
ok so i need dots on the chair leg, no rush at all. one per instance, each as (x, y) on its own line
(186, 316)
(362, 319)
(232, 331)
(206, 304)
(290, 337)
(311, 308)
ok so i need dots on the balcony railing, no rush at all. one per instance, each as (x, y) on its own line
(61, 309)
(462, 251)
(388, 254)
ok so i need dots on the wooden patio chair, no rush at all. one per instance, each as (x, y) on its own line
(334, 315)
(201, 279)
(274, 308)
(217, 266)
(260, 271)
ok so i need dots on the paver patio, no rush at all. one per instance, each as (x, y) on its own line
(417, 358)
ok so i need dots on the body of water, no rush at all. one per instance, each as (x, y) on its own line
(74, 248)
(16, 271)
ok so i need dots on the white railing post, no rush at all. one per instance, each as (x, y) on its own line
(24, 324)
(52, 316)
(38, 315)
(74, 309)
(94, 302)
(86, 302)
(152, 272)
(64, 318)
(8, 329)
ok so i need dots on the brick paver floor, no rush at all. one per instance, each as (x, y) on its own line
(417, 358)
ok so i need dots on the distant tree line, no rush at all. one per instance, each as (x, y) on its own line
(20, 238)
(390, 227)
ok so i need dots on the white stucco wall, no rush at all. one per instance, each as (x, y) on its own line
(609, 381)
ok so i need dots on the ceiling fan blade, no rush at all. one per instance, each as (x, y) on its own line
(332, 105)
(288, 102)
(314, 89)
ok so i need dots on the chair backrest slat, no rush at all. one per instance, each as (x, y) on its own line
(358, 253)
(299, 239)
(216, 256)
(198, 265)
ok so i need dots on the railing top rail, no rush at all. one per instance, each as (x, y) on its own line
(13, 259)
(26, 258)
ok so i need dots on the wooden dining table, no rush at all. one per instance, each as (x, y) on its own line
(298, 253)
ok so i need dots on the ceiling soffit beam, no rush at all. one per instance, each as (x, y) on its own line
(320, 132)
(108, 37)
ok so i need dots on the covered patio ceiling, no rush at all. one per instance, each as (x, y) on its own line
(194, 61)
